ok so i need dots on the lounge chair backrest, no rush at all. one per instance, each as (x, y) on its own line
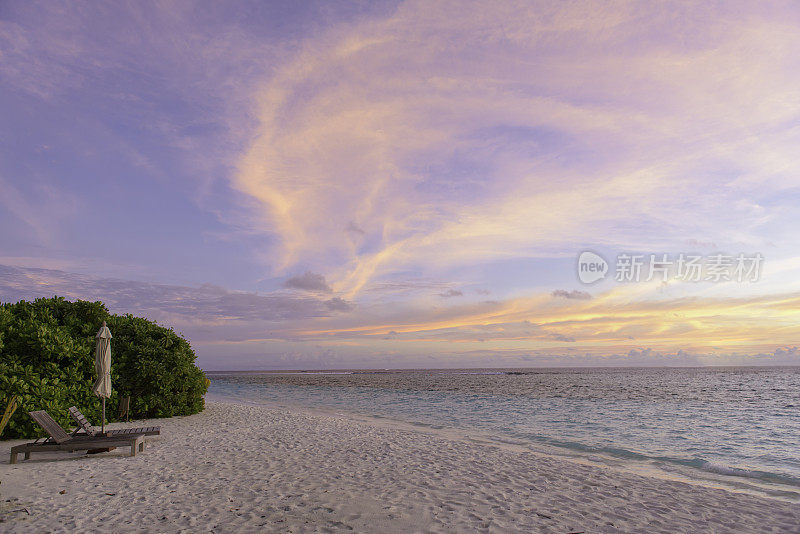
(48, 423)
(82, 421)
(125, 408)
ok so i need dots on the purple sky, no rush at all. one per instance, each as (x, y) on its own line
(388, 184)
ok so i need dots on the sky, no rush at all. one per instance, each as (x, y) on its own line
(327, 184)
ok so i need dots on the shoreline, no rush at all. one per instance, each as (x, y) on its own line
(714, 477)
(238, 467)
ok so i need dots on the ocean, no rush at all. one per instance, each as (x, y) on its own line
(735, 427)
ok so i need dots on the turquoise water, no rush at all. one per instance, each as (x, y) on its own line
(739, 426)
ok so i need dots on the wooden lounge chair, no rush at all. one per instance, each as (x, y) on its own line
(125, 408)
(94, 431)
(59, 440)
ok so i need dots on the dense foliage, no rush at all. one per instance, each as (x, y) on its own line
(47, 362)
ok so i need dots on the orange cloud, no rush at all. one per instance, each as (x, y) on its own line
(578, 125)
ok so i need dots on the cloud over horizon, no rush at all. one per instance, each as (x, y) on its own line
(406, 180)
(574, 294)
(308, 281)
(216, 319)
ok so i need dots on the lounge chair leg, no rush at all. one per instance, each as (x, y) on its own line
(13, 458)
(28, 455)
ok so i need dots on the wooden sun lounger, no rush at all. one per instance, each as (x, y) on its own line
(125, 408)
(93, 430)
(59, 440)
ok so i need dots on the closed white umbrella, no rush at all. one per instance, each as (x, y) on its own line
(102, 366)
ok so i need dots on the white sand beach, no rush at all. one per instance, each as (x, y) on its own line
(236, 468)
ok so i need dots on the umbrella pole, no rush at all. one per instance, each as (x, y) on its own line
(103, 420)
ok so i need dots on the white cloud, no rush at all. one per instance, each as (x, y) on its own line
(462, 134)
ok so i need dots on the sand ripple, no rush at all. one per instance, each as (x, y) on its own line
(256, 469)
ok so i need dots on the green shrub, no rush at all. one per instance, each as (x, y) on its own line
(47, 361)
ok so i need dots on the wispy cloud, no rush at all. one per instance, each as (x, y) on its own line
(608, 322)
(207, 305)
(41, 210)
(217, 319)
(370, 174)
(460, 134)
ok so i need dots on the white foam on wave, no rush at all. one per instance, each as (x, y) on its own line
(725, 470)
